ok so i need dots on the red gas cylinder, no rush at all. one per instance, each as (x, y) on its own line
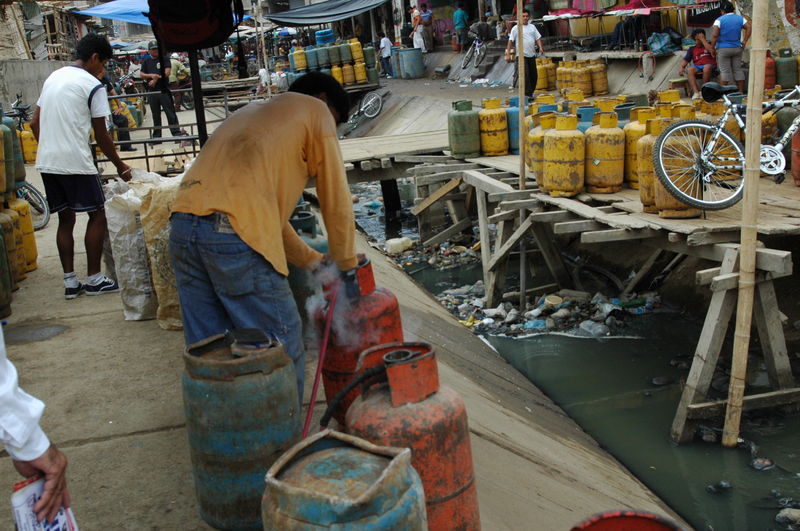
(371, 318)
(770, 72)
(795, 162)
(627, 521)
(454, 44)
(412, 411)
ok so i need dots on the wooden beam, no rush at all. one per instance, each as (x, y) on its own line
(771, 260)
(386, 162)
(434, 178)
(424, 158)
(706, 238)
(770, 334)
(505, 196)
(496, 279)
(538, 290)
(519, 204)
(487, 184)
(502, 216)
(509, 244)
(590, 212)
(365, 165)
(448, 233)
(643, 271)
(614, 235)
(706, 410)
(545, 240)
(445, 189)
(705, 276)
(436, 168)
(483, 233)
(581, 225)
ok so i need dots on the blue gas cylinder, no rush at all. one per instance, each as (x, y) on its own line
(586, 116)
(512, 116)
(513, 101)
(323, 57)
(311, 57)
(623, 114)
(337, 481)
(242, 412)
(548, 107)
(324, 36)
(17, 161)
(301, 281)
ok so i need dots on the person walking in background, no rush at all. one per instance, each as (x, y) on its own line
(461, 24)
(118, 117)
(701, 58)
(726, 39)
(151, 73)
(72, 103)
(416, 28)
(231, 238)
(426, 16)
(385, 48)
(531, 38)
(177, 76)
(26, 443)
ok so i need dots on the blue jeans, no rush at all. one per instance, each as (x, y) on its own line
(386, 66)
(224, 284)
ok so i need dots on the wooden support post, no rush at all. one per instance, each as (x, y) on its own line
(426, 203)
(706, 354)
(643, 271)
(391, 198)
(770, 332)
(497, 277)
(545, 239)
(483, 232)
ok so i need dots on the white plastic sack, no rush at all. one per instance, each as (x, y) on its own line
(126, 235)
(418, 41)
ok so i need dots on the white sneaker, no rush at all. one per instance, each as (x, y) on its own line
(696, 96)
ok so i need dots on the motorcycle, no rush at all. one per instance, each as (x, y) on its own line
(184, 99)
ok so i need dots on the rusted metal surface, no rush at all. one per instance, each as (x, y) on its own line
(337, 481)
(564, 158)
(370, 319)
(241, 415)
(431, 420)
(605, 155)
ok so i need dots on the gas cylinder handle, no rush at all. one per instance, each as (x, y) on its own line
(398, 356)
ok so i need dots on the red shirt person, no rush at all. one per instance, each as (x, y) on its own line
(701, 56)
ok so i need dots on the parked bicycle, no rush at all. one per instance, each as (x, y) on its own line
(40, 211)
(370, 106)
(476, 49)
(702, 164)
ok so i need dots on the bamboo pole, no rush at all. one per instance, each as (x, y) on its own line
(521, 127)
(747, 249)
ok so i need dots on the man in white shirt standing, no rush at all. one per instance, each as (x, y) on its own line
(72, 103)
(530, 39)
(27, 444)
(135, 68)
(386, 53)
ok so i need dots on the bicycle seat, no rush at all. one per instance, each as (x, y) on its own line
(23, 107)
(714, 91)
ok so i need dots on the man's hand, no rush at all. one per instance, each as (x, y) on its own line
(53, 464)
(682, 71)
(124, 171)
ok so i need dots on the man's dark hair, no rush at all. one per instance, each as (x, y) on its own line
(423, 6)
(91, 44)
(460, 5)
(381, 34)
(726, 7)
(315, 82)
(697, 31)
(527, 11)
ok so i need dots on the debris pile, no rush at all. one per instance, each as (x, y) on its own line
(573, 312)
(442, 257)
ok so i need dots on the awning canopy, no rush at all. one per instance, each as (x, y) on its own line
(324, 12)
(134, 11)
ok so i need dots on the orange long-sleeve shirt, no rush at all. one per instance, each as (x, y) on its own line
(254, 168)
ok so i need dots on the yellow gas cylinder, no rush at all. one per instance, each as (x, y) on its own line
(545, 99)
(605, 155)
(564, 153)
(336, 73)
(644, 161)
(360, 72)
(550, 66)
(599, 73)
(534, 157)
(569, 75)
(494, 128)
(541, 76)
(669, 96)
(561, 76)
(606, 104)
(582, 78)
(356, 50)
(664, 110)
(633, 132)
(29, 145)
(19, 259)
(666, 205)
(7, 226)
(299, 59)
(23, 208)
(348, 74)
(572, 106)
(685, 112)
(533, 108)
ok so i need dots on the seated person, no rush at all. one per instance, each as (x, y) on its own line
(482, 30)
(701, 57)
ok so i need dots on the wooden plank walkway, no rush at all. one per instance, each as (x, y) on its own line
(377, 147)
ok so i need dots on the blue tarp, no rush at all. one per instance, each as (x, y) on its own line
(134, 11)
(324, 12)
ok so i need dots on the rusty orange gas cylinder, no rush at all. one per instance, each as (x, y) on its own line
(370, 318)
(770, 72)
(410, 409)
(796, 158)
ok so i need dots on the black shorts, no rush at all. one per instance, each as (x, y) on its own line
(79, 193)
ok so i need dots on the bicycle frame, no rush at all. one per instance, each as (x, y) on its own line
(733, 109)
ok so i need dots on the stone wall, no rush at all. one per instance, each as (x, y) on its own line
(26, 77)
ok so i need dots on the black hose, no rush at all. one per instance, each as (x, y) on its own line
(377, 373)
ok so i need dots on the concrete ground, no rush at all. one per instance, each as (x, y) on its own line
(112, 389)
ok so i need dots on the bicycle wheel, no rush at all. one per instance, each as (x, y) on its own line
(480, 54)
(697, 171)
(371, 105)
(187, 102)
(40, 212)
(468, 56)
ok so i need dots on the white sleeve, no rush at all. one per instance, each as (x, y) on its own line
(512, 35)
(100, 107)
(19, 415)
(717, 24)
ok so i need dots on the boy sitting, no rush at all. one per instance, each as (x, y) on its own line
(702, 58)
